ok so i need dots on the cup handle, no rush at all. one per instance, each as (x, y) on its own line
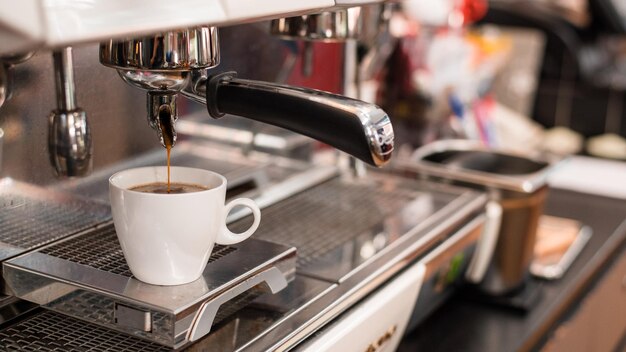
(228, 237)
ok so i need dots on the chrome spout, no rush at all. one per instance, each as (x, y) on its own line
(162, 116)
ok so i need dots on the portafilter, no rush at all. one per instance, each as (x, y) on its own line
(169, 63)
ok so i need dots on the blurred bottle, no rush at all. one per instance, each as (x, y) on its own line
(426, 75)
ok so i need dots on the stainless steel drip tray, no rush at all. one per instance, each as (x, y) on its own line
(32, 216)
(87, 277)
(341, 225)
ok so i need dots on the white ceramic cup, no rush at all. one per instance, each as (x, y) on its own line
(167, 238)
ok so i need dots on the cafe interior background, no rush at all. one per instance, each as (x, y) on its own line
(496, 224)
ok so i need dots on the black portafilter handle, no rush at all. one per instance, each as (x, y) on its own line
(358, 128)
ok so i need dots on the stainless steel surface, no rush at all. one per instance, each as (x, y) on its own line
(162, 116)
(69, 136)
(132, 318)
(289, 186)
(297, 324)
(444, 269)
(329, 26)
(16, 58)
(161, 65)
(262, 176)
(1, 146)
(180, 50)
(263, 314)
(109, 103)
(375, 125)
(69, 143)
(282, 321)
(376, 20)
(338, 225)
(6, 74)
(11, 308)
(52, 332)
(509, 267)
(64, 79)
(273, 278)
(101, 250)
(363, 23)
(31, 217)
(242, 326)
(86, 276)
(432, 279)
(517, 183)
(169, 81)
(376, 39)
(116, 110)
(248, 135)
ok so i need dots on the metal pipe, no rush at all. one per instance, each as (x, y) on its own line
(64, 79)
(69, 137)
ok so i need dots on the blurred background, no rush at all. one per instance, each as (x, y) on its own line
(543, 79)
(545, 75)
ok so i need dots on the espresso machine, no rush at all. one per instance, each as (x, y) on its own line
(331, 252)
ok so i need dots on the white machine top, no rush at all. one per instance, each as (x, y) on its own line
(31, 24)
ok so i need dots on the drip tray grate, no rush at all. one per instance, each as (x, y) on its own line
(101, 250)
(52, 332)
(31, 216)
(86, 277)
(322, 218)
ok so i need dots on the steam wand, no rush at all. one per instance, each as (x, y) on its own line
(69, 138)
